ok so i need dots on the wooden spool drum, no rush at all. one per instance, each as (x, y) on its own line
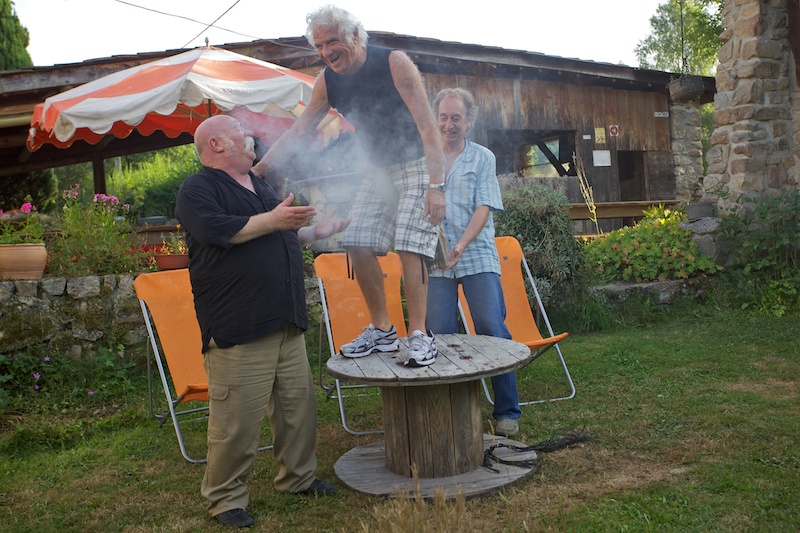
(435, 429)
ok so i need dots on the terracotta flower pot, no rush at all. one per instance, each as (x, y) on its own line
(22, 261)
(171, 261)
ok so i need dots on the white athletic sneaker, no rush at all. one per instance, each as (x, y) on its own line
(371, 340)
(421, 349)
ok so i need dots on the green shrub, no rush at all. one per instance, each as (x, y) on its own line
(656, 248)
(537, 216)
(150, 185)
(765, 235)
(40, 373)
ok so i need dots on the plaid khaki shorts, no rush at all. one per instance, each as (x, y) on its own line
(388, 208)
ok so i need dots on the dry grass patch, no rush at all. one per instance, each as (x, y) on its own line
(566, 478)
(776, 389)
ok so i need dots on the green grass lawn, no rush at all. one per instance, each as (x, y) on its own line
(695, 422)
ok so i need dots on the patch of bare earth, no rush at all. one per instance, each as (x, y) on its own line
(565, 478)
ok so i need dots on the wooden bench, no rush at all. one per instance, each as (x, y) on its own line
(616, 209)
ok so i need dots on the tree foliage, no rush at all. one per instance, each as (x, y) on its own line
(150, 182)
(14, 39)
(696, 52)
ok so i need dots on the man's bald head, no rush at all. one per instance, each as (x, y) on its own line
(221, 142)
(218, 127)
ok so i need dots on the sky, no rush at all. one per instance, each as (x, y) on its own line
(71, 31)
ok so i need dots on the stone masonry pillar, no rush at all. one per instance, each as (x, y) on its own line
(754, 147)
(687, 150)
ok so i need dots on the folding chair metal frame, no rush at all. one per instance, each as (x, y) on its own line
(508, 249)
(334, 268)
(182, 308)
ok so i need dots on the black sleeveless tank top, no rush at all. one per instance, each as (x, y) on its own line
(369, 100)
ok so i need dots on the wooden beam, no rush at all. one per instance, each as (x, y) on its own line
(616, 209)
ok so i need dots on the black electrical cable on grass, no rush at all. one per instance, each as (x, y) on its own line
(570, 438)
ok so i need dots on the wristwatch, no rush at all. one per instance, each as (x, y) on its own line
(438, 186)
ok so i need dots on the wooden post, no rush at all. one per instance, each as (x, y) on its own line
(99, 171)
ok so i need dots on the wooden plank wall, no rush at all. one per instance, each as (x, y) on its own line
(532, 105)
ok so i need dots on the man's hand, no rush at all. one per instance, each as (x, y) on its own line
(323, 229)
(434, 206)
(286, 216)
(327, 226)
(454, 256)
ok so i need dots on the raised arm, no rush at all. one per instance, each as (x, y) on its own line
(300, 134)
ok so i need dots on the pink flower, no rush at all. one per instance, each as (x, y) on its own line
(36, 375)
(71, 193)
(46, 358)
(26, 208)
(105, 201)
(90, 393)
(36, 387)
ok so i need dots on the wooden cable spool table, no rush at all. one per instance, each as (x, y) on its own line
(432, 419)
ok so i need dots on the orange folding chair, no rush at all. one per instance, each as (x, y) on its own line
(346, 314)
(168, 308)
(520, 318)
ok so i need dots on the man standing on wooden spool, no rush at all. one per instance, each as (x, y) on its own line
(401, 199)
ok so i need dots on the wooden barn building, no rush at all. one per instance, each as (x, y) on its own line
(636, 144)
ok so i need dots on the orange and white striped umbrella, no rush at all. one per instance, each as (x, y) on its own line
(175, 95)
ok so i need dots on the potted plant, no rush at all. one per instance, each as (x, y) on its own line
(685, 88)
(173, 253)
(22, 251)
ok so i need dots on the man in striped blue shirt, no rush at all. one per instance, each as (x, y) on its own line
(472, 193)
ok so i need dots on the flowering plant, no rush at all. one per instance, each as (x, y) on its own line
(95, 239)
(174, 244)
(23, 225)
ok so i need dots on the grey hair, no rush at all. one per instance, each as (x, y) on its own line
(335, 17)
(465, 96)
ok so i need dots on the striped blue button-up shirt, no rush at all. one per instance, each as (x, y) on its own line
(471, 183)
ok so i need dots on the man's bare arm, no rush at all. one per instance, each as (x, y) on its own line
(409, 84)
(300, 134)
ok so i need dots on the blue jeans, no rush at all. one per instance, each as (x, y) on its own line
(488, 308)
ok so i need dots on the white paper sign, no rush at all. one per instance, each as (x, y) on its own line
(601, 158)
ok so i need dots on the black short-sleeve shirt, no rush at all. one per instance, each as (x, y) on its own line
(241, 291)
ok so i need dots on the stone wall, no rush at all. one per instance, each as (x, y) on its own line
(76, 316)
(686, 134)
(70, 315)
(756, 133)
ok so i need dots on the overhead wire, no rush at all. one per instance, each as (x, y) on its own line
(207, 26)
(212, 24)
